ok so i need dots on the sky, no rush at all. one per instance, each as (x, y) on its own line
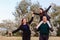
(8, 6)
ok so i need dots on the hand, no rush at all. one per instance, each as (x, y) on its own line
(32, 15)
(51, 30)
(32, 12)
(9, 33)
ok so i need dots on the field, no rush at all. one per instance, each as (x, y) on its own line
(32, 38)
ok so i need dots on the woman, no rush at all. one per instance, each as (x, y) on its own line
(43, 13)
(25, 28)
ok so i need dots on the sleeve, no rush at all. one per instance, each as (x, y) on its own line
(39, 24)
(48, 9)
(30, 20)
(36, 13)
(19, 28)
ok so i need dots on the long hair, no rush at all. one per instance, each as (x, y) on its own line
(42, 9)
(22, 21)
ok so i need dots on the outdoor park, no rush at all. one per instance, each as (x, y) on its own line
(15, 15)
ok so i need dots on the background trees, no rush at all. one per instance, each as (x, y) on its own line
(55, 15)
(23, 10)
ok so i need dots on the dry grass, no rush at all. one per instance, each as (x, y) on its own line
(19, 38)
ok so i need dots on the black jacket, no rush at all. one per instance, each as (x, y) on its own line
(44, 13)
(24, 28)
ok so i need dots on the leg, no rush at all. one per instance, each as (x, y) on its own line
(46, 37)
(41, 37)
(24, 37)
(50, 27)
(28, 37)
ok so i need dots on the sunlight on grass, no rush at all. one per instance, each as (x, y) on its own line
(32, 38)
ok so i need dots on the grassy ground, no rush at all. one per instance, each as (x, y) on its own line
(19, 38)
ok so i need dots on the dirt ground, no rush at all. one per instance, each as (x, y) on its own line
(32, 38)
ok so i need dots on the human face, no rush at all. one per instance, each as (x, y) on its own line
(41, 11)
(44, 18)
(24, 21)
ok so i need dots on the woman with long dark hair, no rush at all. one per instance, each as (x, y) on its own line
(43, 13)
(25, 28)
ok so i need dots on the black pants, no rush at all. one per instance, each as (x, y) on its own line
(44, 37)
(26, 37)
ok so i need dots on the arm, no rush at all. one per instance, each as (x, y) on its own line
(39, 24)
(16, 30)
(48, 9)
(36, 13)
(30, 21)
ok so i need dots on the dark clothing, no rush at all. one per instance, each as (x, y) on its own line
(44, 13)
(26, 37)
(44, 37)
(26, 30)
(44, 29)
